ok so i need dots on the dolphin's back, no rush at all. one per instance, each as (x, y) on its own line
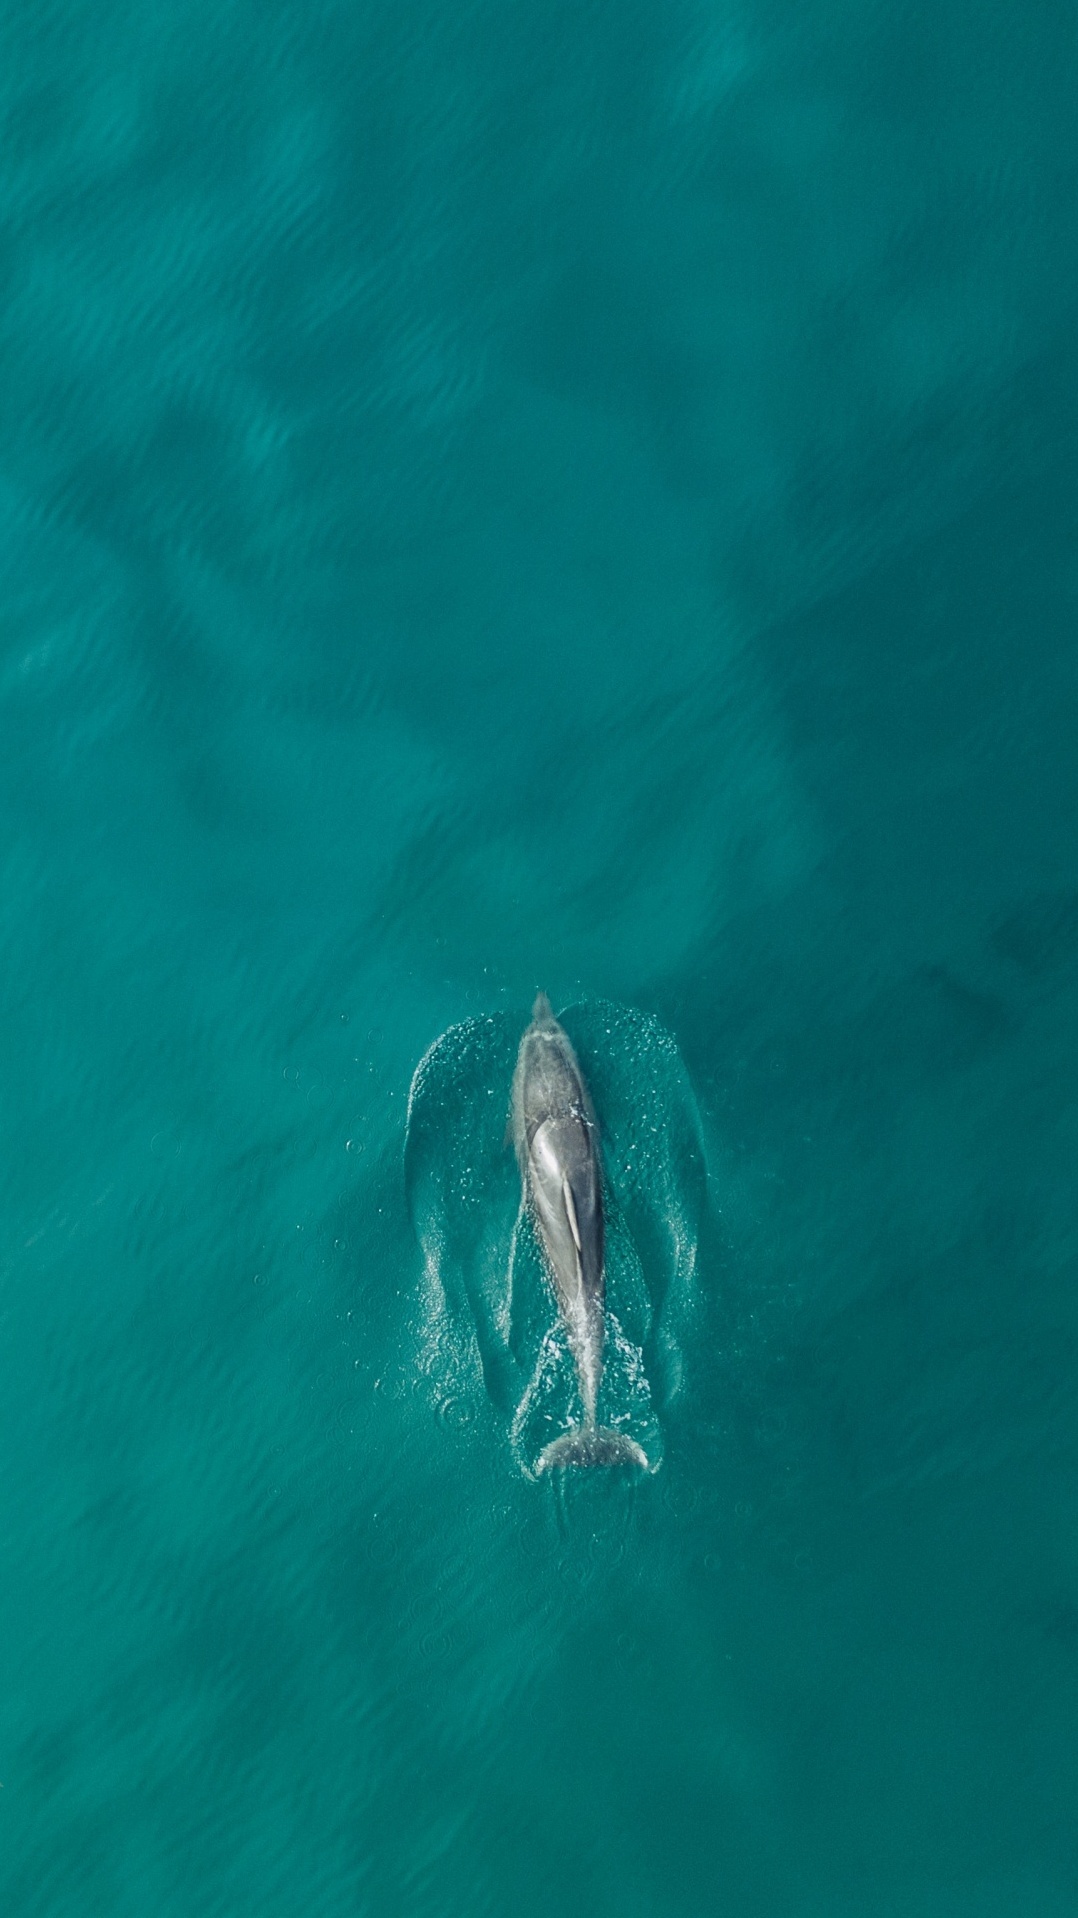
(557, 1147)
(554, 1129)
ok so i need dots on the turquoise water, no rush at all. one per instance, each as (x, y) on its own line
(565, 497)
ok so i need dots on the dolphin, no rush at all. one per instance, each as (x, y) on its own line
(557, 1145)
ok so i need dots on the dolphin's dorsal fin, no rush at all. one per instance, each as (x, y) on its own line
(570, 1210)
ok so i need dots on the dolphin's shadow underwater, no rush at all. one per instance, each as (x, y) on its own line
(493, 1307)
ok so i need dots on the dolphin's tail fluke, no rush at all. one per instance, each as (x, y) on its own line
(591, 1445)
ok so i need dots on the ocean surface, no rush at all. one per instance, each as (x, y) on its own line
(579, 497)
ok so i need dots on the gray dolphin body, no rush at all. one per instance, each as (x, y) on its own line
(556, 1139)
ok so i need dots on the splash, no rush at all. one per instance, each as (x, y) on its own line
(487, 1318)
